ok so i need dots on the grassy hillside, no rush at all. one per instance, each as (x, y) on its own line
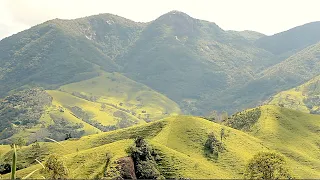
(180, 142)
(294, 134)
(303, 98)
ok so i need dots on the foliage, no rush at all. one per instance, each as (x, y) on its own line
(244, 120)
(267, 165)
(55, 167)
(213, 146)
(144, 159)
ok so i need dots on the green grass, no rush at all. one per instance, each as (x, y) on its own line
(180, 142)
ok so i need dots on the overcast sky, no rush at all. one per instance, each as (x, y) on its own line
(265, 16)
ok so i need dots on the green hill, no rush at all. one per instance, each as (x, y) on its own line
(304, 98)
(179, 141)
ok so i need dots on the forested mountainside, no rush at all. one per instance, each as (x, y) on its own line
(193, 62)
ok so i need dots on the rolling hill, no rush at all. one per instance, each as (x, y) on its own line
(107, 102)
(179, 141)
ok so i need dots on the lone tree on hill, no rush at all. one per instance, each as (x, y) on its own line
(267, 165)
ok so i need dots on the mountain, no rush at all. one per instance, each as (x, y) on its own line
(61, 51)
(292, 40)
(179, 144)
(304, 98)
(193, 62)
(291, 72)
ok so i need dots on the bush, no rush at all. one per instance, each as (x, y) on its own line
(213, 146)
(267, 165)
(55, 167)
(144, 160)
(244, 120)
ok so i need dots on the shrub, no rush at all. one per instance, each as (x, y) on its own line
(267, 165)
(55, 167)
(144, 160)
(213, 146)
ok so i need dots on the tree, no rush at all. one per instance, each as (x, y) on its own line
(212, 146)
(20, 142)
(55, 167)
(144, 158)
(267, 165)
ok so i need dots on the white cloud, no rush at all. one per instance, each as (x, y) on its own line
(263, 16)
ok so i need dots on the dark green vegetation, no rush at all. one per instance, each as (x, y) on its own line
(193, 62)
(267, 166)
(244, 120)
(144, 158)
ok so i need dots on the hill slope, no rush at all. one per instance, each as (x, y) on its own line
(107, 102)
(295, 70)
(191, 61)
(180, 140)
(303, 98)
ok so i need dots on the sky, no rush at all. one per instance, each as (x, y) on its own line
(264, 16)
